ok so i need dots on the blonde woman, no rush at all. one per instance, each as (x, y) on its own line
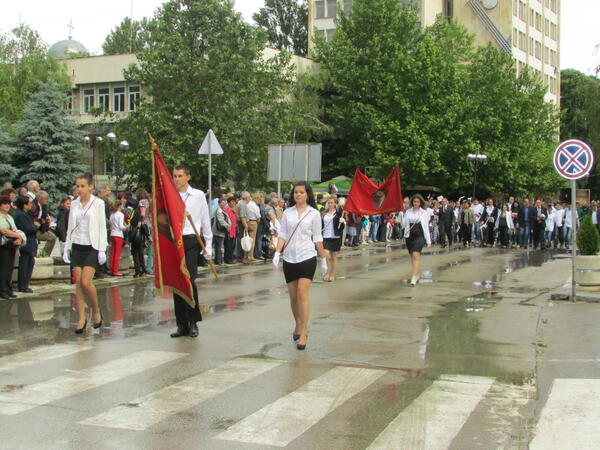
(333, 224)
(85, 248)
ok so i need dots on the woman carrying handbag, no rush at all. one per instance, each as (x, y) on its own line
(85, 248)
(10, 240)
(299, 235)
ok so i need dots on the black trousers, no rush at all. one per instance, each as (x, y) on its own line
(538, 235)
(137, 252)
(445, 232)
(465, 231)
(184, 313)
(503, 232)
(26, 263)
(229, 249)
(218, 244)
(7, 264)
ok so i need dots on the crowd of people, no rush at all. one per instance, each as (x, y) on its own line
(246, 227)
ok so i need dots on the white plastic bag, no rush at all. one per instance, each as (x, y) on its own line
(246, 242)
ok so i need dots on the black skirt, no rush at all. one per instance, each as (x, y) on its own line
(332, 244)
(416, 239)
(84, 256)
(303, 269)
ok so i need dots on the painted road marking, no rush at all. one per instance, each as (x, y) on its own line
(143, 412)
(39, 354)
(284, 420)
(31, 396)
(570, 417)
(434, 418)
(4, 342)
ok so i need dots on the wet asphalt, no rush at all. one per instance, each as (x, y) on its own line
(476, 312)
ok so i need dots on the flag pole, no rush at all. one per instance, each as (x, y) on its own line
(203, 247)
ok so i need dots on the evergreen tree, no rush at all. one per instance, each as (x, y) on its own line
(8, 172)
(49, 144)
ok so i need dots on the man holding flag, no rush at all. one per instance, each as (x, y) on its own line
(178, 210)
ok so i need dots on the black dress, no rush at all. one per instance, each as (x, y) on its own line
(416, 239)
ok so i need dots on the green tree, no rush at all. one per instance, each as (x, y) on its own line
(127, 37)
(23, 63)
(203, 68)
(425, 98)
(286, 23)
(8, 172)
(49, 143)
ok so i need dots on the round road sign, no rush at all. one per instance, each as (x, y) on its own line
(573, 159)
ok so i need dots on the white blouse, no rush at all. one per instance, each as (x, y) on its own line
(301, 245)
(117, 224)
(328, 231)
(81, 216)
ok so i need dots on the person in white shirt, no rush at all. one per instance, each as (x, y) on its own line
(559, 216)
(253, 219)
(550, 225)
(85, 248)
(477, 209)
(416, 232)
(117, 240)
(569, 224)
(196, 206)
(333, 226)
(300, 239)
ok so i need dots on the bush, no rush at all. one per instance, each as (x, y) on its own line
(588, 238)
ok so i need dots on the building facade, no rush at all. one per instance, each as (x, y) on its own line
(529, 30)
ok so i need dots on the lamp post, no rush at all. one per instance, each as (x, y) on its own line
(93, 140)
(476, 160)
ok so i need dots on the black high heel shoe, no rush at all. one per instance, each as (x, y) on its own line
(295, 337)
(80, 330)
(302, 346)
(97, 325)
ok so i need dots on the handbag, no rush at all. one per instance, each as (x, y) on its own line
(246, 242)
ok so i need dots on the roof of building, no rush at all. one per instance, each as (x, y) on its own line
(67, 47)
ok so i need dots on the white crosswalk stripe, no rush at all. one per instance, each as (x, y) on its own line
(141, 413)
(434, 418)
(284, 420)
(571, 416)
(4, 342)
(31, 396)
(40, 354)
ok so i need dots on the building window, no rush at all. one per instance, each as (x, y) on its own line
(104, 98)
(134, 97)
(331, 8)
(330, 34)
(516, 8)
(88, 99)
(119, 99)
(347, 7)
(320, 9)
(69, 102)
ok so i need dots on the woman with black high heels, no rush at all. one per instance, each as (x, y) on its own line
(85, 248)
(416, 232)
(300, 233)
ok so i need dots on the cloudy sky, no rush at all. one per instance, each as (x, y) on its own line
(92, 21)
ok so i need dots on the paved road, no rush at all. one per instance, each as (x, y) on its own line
(476, 356)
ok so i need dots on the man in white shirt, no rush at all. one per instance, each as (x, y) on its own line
(252, 218)
(559, 214)
(477, 211)
(197, 207)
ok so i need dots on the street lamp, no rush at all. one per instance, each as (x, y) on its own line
(476, 160)
(93, 140)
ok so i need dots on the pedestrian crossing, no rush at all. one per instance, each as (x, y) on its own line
(433, 420)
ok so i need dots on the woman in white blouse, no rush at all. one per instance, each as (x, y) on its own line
(300, 240)
(85, 248)
(416, 232)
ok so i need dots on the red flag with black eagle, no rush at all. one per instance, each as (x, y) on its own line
(168, 220)
(368, 199)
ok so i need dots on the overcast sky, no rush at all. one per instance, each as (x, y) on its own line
(93, 20)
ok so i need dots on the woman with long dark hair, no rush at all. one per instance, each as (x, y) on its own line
(85, 248)
(139, 231)
(299, 234)
(416, 232)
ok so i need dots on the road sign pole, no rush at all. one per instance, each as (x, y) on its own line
(209, 173)
(574, 242)
(279, 171)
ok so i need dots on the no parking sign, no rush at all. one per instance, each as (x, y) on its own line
(573, 159)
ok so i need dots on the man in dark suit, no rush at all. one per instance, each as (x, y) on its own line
(39, 213)
(446, 222)
(525, 221)
(539, 224)
(27, 225)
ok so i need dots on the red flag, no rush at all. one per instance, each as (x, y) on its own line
(168, 220)
(366, 198)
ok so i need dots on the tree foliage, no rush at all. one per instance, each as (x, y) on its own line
(127, 37)
(203, 68)
(49, 143)
(286, 23)
(8, 172)
(426, 98)
(24, 62)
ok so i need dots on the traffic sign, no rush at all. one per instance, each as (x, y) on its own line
(573, 159)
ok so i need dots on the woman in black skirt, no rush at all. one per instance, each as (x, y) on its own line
(299, 240)
(333, 226)
(416, 232)
(85, 248)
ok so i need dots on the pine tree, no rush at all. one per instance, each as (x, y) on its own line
(49, 144)
(8, 172)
